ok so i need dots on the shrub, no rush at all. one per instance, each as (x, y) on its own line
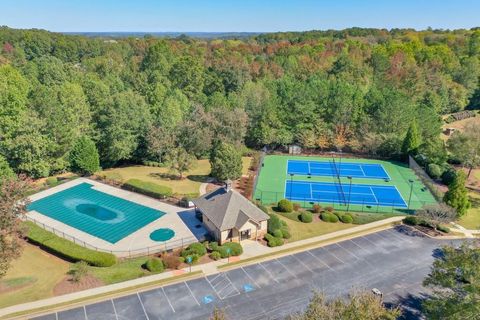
(448, 176)
(346, 218)
(192, 257)
(235, 249)
(329, 209)
(316, 208)
(329, 217)
(286, 233)
(306, 217)
(442, 228)
(78, 270)
(154, 265)
(68, 249)
(148, 188)
(278, 233)
(410, 220)
(51, 181)
(338, 214)
(285, 205)
(434, 170)
(425, 223)
(296, 206)
(273, 223)
(215, 255)
(194, 249)
(273, 241)
(171, 261)
(263, 208)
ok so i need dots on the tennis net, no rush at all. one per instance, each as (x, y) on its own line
(339, 186)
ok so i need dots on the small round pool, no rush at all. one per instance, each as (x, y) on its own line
(162, 234)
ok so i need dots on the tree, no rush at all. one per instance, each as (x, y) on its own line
(412, 140)
(437, 214)
(160, 141)
(84, 157)
(465, 146)
(457, 194)
(5, 171)
(12, 207)
(359, 305)
(180, 161)
(218, 314)
(454, 280)
(226, 162)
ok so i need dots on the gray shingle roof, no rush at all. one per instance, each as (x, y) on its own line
(228, 209)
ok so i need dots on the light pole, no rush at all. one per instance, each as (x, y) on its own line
(411, 190)
(291, 184)
(349, 192)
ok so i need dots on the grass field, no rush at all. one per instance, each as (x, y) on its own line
(471, 220)
(161, 175)
(273, 175)
(122, 271)
(35, 274)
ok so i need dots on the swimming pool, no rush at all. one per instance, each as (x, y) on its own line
(97, 213)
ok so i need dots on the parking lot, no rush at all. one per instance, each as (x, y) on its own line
(394, 261)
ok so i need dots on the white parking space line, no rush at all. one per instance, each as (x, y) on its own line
(56, 314)
(393, 233)
(348, 251)
(114, 310)
(369, 240)
(168, 300)
(253, 280)
(271, 275)
(302, 263)
(143, 307)
(191, 293)
(334, 255)
(320, 260)
(85, 311)
(286, 268)
(229, 285)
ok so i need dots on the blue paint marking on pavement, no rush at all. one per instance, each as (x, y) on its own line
(208, 299)
(248, 287)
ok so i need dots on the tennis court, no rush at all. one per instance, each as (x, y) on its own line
(326, 192)
(342, 169)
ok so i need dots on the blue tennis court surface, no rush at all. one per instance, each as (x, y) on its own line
(102, 215)
(327, 192)
(344, 169)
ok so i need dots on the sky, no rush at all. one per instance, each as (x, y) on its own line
(239, 15)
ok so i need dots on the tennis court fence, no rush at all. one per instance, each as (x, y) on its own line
(425, 178)
(365, 205)
(138, 252)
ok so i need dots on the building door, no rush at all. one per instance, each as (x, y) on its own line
(246, 234)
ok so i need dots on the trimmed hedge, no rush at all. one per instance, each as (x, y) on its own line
(286, 233)
(274, 223)
(443, 228)
(148, 188)
(411, 220)
(346, 218)
(235, 249)
(285, 205)
(329, 217)
(51, 181)
(215, 255)
(194, 249)
(278, 233)
(154, 265)
(68, 249)
(306, 217)
(273, 241)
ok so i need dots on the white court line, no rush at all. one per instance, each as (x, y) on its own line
(319, 260)
(253, 280)
(271, 275)
(114, 309)
(85, 311)
(308, 268)
(168, 300)
(143, 307)
(361, 168)
(373, 193)
(311, 191)
(286, 268)
(191, 292)
(309, 169)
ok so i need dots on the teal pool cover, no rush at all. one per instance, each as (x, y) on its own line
(102, 215)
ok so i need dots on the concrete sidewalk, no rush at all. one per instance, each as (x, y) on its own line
(252, 249)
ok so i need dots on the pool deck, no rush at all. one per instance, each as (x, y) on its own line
(132, 244)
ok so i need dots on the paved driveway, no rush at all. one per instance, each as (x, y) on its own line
(394, 261)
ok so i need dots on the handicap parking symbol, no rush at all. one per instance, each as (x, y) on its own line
(208, 299)
(248, 287)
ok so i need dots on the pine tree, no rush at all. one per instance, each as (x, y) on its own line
(412, 140)
(457, 194)
(84, 157)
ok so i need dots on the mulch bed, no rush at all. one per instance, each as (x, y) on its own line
(68, 286)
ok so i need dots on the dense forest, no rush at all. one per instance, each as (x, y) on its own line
(140, 99)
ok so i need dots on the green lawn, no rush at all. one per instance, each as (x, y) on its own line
(33, 276)
(122, 271)
(471, 220)
(273, 175)
(161, 175)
